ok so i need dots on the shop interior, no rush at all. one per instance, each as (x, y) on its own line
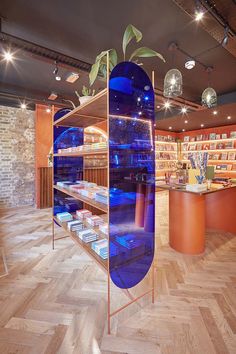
(118, 177)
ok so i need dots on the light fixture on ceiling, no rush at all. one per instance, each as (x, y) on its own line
(184, 110)
(72, 77)
(23, 105)
(170, 128)
(209, 96)
(8, 56)
(48, 110)
(173, 81)
(190, 64)
(202, 125)
(199, 11)
(167, 104)
(55, 72)
(158, 106)
(229, 117)
(186, 121)
(215, 113)
(225, 39)
(52, 96)
(183, 130)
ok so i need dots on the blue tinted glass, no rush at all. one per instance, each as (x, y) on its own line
(66, 168)
(62, 112)
(132, 174)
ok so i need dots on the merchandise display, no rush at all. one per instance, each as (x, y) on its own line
(87, 235)
(64, 217)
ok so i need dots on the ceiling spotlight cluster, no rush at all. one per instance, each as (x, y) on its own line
(8, 56)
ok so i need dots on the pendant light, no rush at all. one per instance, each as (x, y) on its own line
(209, 96)
(173, 82)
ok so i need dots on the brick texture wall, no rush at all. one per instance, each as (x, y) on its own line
(17, 156)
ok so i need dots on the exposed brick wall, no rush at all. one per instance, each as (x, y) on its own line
(17, 155)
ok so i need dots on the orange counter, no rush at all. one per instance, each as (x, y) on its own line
(190, 214)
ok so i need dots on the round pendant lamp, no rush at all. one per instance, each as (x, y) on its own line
(173, 83)
(209, 95)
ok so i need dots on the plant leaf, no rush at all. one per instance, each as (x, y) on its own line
(129, 34)
(113, 58)
(94, 72)
(144, 52)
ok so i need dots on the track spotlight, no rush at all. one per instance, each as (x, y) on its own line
(190, 64)
(55, 72)
(225, 40)
(23, 106)
(167, 104)
(183, 110)
(199, 11)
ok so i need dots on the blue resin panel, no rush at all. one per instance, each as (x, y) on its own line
(132, 174)
(67, 168)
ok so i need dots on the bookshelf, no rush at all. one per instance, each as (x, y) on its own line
(123, 154)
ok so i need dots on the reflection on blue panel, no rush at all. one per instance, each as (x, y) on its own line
(132, 174)
(61, 112)
(67, 168)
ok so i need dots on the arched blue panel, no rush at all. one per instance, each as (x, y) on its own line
(132, 174)
(67, 168)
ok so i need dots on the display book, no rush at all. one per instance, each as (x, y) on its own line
(119, 234)
(166, 154)
(221, 148)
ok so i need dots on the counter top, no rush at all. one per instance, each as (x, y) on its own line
(180, 188)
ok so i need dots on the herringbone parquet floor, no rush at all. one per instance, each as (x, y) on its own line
(55, 301)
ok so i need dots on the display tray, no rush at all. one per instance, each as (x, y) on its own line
(99, 206)
(85, 246)
(90, 113)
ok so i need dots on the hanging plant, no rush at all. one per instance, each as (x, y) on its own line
(100, 65)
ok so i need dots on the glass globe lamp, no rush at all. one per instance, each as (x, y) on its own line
(173, 83)
(209, 97)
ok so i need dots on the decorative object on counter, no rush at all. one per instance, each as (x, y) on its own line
(209, 96)
(87, 94)
(199, 161)
(100, 65)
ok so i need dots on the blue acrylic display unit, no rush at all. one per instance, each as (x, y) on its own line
(132, 175)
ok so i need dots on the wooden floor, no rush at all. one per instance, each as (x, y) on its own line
(55, 301)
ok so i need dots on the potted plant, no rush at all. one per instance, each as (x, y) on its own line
(100, 65)
(87, 94)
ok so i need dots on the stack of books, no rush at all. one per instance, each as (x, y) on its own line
(64, 217)
(83, 214)
(102, 197)
(95, 220)
(101, 248)
(104, 228)
(87, 235)
(75, 225)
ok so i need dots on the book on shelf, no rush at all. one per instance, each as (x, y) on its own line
(215, 156)
(205, 147)
(217, 136)
(224, 156)
(212, 136)
(186, 138)
(220, 146)
(199, 146)
(233, 135)
(199, 137)
(212, 146)
(229, 145)
(231, 156)
(224, 136)
(192, 147)
(192, 138)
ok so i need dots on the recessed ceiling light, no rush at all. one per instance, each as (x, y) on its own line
(140, 113)
(170, 127)
(183, 110)
(202, 125)
(229, 117)
(199, 15)
(215, 113)
(183, 130)
(23, 106)
(190, 64)
(72, 77)
(8, 56)
(52, 96)
(58, 78)
(167, 104)
(158, 106)
(186, 121)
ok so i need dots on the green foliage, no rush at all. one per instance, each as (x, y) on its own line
(100, 65)
(130, 33)
(85, 92)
